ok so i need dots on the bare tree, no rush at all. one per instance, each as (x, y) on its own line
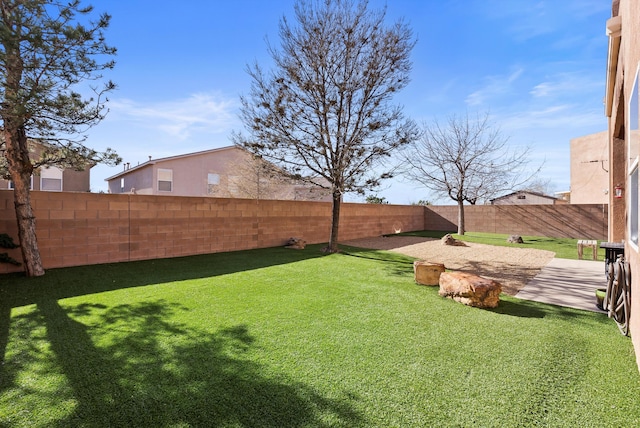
(253, 178)
(465, 159)
(539, 185)
(45, 53)
(325, 110)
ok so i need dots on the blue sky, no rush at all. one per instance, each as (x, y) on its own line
(537, 66)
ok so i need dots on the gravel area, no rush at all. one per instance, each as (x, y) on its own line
(513, 267)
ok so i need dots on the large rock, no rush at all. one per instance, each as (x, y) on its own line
(472, 290)
(296, 243)
(515, 239)
(427, 273)
(450, 240)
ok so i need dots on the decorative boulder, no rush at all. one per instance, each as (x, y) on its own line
(515, 239)
(470, 289)
(296, 243)
(450, 240)
(427, 273)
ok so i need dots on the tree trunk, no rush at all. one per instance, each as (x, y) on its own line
(21, 169)
(460, 217)
(335, 222)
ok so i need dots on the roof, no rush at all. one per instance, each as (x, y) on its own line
(169, 158)
(520, 192)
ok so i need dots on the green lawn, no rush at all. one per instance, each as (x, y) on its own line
(286, 338)
(565, 248)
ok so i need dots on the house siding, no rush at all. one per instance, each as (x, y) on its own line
(624, 144)
(237, 179)
(590, 169)
(524, 198)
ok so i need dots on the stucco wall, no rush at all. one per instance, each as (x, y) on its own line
(524, 198)
(624, 143)
(237, 174)
(140, 180)
(72, 181)
(590, 169)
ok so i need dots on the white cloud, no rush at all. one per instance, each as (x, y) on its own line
(567, 85)
(180, 118)
(495, 86)
(569, 118)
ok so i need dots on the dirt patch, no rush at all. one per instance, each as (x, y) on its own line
(513, 267)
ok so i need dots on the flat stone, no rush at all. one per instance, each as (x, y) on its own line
(470, 289)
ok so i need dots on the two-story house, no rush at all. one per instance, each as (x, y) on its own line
(227, 172)
(54, 179)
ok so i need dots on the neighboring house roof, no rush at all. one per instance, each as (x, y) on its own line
(221, 172)
(524, 192)
(169, 158)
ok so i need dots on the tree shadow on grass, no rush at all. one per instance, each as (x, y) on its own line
(136, 366)
(17, 290)
(519, 308)
(395, 264)
(515, 307)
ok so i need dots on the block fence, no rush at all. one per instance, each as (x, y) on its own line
(557, 221)
(87, 228)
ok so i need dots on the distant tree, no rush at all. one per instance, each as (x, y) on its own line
(423, 202)
(467, 160)
(45, 54)
(539, 185)
(254, 178)
(325, 110)
(375, 199)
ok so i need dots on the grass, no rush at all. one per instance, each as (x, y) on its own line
(565, 248)
(286, 338)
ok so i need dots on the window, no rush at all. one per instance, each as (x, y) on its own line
(11, 185)
(213, 181)
(522, 196)
(122, 185)
(165, 180)
(51, 179)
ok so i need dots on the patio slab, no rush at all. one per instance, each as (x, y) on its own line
(570, 283)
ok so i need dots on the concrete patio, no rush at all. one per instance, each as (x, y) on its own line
(570, 283)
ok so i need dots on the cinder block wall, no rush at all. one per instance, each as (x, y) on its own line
(84, 228)
(87, 228)
(560, 221)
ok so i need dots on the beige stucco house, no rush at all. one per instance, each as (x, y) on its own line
(590, 169)
(525, 197)
(622, 107)
(227, 172)
(54, 179)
